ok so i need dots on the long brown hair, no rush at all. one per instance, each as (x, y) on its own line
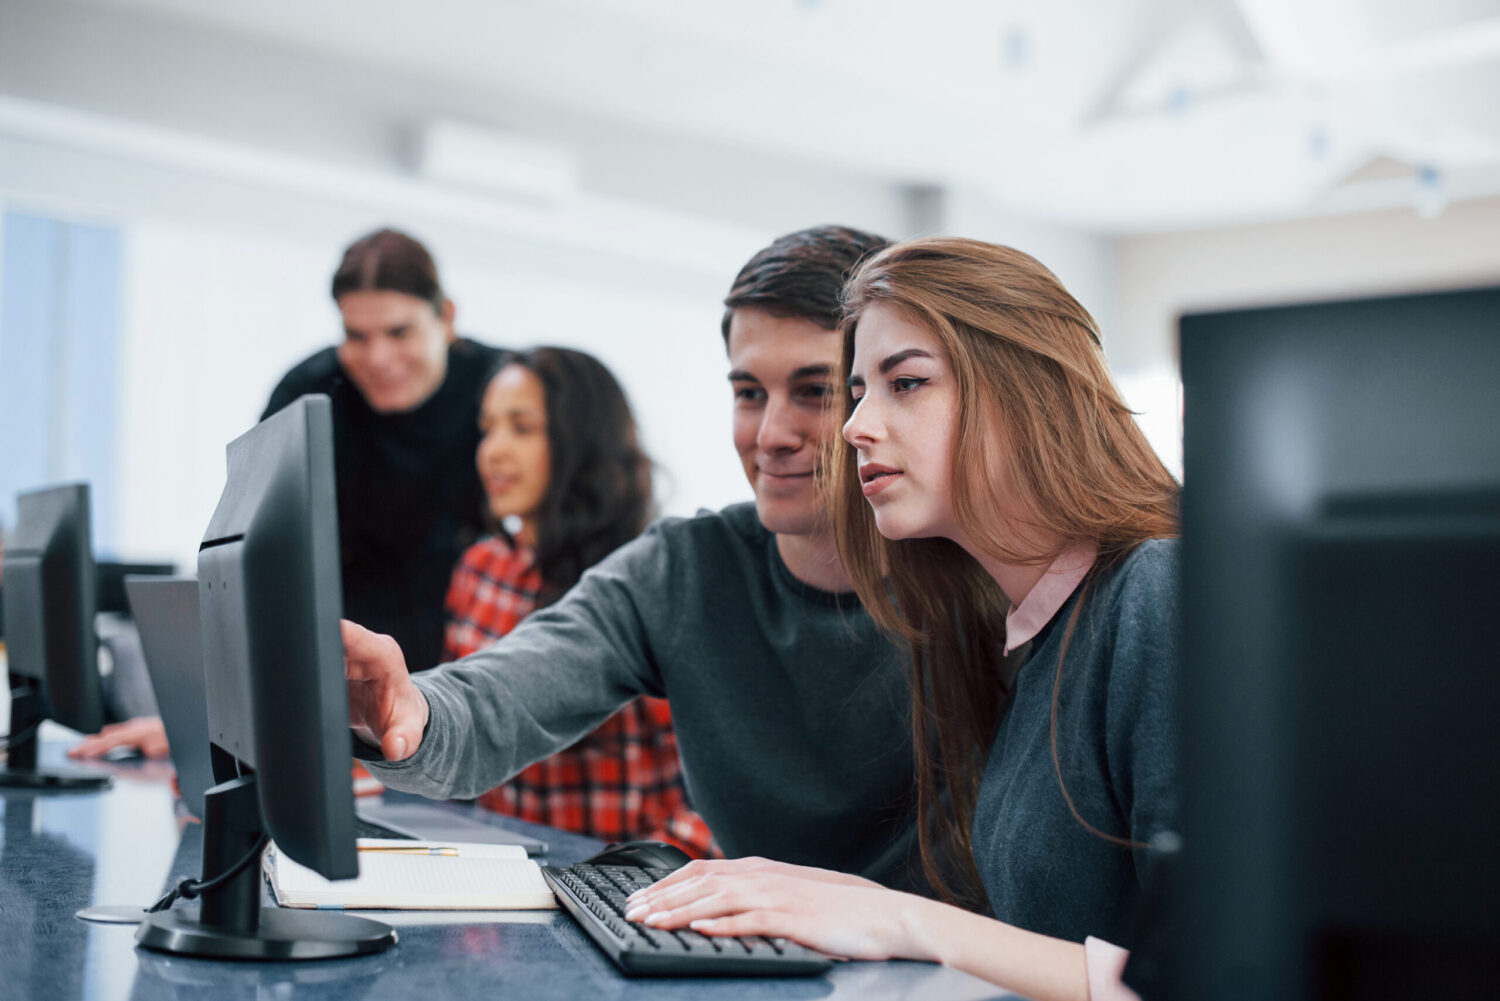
(1040, 424)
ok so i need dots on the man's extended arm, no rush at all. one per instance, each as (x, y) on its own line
(547, 684)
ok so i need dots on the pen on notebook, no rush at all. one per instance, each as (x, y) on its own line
(384, 850)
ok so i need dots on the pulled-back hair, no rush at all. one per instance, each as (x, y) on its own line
(388, 261)
(1041, 425)
(801, 275)
(599, 488)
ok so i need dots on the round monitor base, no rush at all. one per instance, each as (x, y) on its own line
(283, 935)
(113, 914)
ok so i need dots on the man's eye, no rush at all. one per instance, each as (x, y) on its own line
(750, 394)
(816, 391)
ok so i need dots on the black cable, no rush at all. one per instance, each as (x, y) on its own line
(9, 740)
(187, 889)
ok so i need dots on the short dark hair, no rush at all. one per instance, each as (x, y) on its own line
(389, 261)
(599, 489)
(801, 275)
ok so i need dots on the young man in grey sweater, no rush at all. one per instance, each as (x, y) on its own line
(791, 710)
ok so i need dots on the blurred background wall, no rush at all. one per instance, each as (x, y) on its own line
(178, 179)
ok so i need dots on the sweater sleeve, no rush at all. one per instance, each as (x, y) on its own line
(1141, 726)
(551, 681)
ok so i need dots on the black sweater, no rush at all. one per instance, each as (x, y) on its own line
(410, 500)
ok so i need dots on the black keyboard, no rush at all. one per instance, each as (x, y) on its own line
(370, 829)
(595, 896)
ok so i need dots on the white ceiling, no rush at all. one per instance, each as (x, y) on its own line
(1116, 115)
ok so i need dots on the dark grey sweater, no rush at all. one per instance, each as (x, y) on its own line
(1116, 741)
(791, 710)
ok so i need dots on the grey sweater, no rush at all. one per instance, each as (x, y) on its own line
(791, 710)
(1116, 741)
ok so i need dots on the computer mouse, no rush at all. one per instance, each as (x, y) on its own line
(644, 854)
(125, 752)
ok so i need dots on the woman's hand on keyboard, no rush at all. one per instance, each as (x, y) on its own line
(852, 918)
(835, 913)
(385, 709)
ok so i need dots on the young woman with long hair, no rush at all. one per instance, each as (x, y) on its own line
(562, 466)
(998, 508)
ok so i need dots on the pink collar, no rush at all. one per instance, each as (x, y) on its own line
(1049, 594)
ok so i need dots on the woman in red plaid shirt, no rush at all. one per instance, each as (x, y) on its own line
(569, 483)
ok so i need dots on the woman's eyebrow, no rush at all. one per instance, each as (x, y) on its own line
(892, 361)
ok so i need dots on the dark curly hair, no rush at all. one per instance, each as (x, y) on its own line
(599, 490)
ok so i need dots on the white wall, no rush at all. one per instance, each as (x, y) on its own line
(1162, 276)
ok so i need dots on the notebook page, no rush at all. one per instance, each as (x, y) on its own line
(395, 880)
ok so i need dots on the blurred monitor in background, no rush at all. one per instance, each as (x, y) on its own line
(405, 391)
(110, 575)
(50, 595)
(1341, 525)
(127, 687)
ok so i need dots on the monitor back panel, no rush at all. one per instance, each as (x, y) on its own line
(166, 614)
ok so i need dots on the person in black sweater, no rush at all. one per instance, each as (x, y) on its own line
(406, 391)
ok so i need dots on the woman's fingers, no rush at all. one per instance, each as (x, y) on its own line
(841, 920)
(750, 865)
(708, 895)
(760, 921)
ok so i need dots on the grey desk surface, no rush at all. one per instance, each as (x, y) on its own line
(61, 852)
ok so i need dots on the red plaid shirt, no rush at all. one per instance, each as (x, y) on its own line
(622, 781)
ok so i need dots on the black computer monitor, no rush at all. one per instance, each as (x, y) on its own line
(50, 642)
(1341, 687)
(111, 575)
(278, 716)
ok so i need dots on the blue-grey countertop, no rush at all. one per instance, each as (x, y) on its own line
(128, 843)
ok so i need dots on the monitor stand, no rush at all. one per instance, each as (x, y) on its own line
(231, 924)
(20, 771)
